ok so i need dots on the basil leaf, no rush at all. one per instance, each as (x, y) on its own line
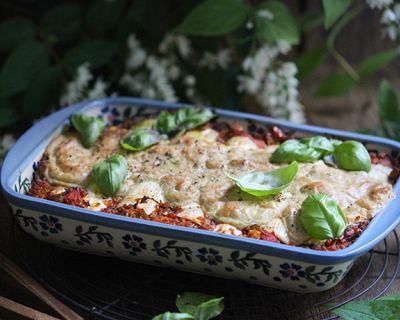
(183, 119)
(173, 316)
(209, 309)
(140, 139)
(352, 155)
(110, 174)
(319, 143)
(294, 150)
(387, 307)
(166, 122)
(272, 182)
(199, 305)
(89, 128)
(321, 217)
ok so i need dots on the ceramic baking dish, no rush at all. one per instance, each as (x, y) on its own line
(261, 262)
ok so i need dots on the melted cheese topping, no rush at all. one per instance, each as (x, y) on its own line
(189, 171)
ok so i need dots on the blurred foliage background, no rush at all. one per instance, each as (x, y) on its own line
(324, 62)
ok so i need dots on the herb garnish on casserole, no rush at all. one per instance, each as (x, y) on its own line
(186, 168)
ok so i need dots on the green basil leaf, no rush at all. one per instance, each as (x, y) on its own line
(262, 184)
(387, 307)
(89, 128)
(140, 139)
(166, 122)
(334, 9)
(213, 18)
(209, 309)
(185, 118)
(201, 306)
(294, 150)
(319, 143)
(110, 174)
(188, 301)
(321, 217)
(173, 316)
(352, 155)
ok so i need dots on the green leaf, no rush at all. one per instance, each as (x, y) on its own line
(376, 62)
(310, 20)
(43, 93)
(21, 66)
(8, 113)
(173, 316)
(391, 129)
(96, 52)
(389, 108)
(103, 16)
(321, 217)
(319, 143)
(63, 23)
(140, 139)
(336, 84)
(281, 25)
(200, 306)
(89, 128)
(188, 301)
(214, 18)
(209, 309)
(294, 150)
(14, 32)
(334, 9)
(387, 308)
(261, 184)
(110, 174)
(309, 61)
(352, 155)
(183, 119)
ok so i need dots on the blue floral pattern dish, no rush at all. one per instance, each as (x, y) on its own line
(261, 262)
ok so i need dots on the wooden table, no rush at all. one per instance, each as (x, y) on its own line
(10, 289)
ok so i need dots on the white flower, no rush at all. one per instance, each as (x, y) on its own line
(249, 25)
(98, 91)
(264, 13)
(6, 142)
(137, 55)
(221, 59)
(388, 16)
(189, 80)
(171, 41)
(379, 3)
(79, 88)
(272, 82)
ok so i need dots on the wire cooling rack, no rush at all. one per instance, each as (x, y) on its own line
(107, 288)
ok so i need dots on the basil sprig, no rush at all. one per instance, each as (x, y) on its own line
(194, 305)
(347, 155)
(89, 128)
(322, 217)
(110, 174)
(352, 155)
(140, 139)
(262, 184)
(182, 119)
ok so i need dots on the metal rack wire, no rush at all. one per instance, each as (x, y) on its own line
(106, 288)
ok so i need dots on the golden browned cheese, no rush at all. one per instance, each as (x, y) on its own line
(190, 171)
